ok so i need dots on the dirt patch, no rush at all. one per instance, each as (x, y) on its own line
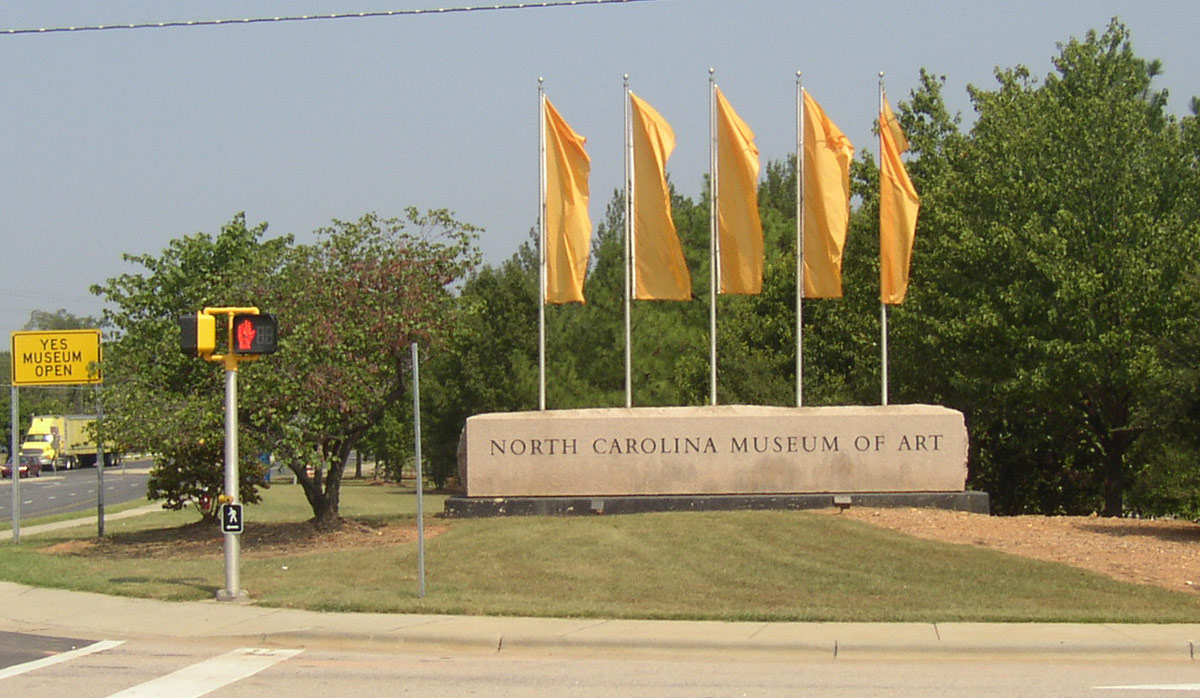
(204, 540)
(1161, 552)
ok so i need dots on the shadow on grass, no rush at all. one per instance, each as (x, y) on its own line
(200, 539)
(204, 540)
(187, 582)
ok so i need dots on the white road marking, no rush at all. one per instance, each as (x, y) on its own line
(1153, 687)
(209, 675)
(56, 658)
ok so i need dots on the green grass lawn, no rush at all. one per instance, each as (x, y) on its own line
(696, 565)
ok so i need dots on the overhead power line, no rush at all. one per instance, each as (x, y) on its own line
(308, 18)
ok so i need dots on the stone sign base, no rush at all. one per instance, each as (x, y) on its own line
(474, 507)
(723, 450)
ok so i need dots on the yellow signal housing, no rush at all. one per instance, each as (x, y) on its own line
(198, 334)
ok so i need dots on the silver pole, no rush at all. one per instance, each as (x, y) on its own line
(714, 242)
(233, 586)
(629, 261)
(14, 459)
(799, 242)
(416, 363)
(99, 466)
(541, 246)
(883, 315)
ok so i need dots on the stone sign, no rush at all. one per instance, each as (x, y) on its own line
(714, 450)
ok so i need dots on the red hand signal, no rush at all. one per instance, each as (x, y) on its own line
(245, 335)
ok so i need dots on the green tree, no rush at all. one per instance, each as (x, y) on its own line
(1055, 256)
(60, 320)
(489, 361)
(757, 334)
(350, 306)
(156, 399)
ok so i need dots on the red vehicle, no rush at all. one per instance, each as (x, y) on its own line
(28, 466)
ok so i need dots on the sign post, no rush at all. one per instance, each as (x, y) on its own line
(416, 368)
(14, 460)
(43, 358)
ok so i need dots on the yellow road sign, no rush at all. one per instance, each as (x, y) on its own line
(56, 357)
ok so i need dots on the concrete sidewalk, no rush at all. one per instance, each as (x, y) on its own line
(72, 523)
(96, 616)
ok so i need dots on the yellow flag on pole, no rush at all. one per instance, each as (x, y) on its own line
(898, 208)
(738, 224)
(827, 156)
(568, 228)
(659, 268)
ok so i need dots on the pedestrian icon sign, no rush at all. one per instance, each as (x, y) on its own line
(231, 518)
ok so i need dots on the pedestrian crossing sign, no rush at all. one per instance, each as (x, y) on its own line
(231, 518)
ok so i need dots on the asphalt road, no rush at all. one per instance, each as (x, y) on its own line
(67, 491)
(123, 668)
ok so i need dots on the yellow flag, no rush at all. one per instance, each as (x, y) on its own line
(898, 207)
(738, 225)
(568, 228)
(827, 155)
(659, 268)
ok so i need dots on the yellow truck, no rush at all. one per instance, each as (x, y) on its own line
(60, 441)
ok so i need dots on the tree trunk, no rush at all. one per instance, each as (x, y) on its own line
(1116, 438)
(324, 500)
(1114, 483)
(327, 518)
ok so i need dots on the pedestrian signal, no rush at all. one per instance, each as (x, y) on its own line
(255, 334)
(197, 334)
(231, 518)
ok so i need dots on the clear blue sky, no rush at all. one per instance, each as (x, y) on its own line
(117, 142)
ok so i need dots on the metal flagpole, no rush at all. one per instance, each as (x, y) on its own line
(629, 261)
(714, 242)
(541, 245)
(883, 315)
(799, 242)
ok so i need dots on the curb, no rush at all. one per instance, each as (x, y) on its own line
(795, 642)
(98, 616)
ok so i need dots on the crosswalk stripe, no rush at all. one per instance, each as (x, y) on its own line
(19, 669)
(208, 675)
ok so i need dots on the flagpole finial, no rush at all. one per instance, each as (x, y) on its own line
(541, 79)
(711, 71)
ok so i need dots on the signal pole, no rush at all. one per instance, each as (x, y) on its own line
(249, 335)
(233, 590)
